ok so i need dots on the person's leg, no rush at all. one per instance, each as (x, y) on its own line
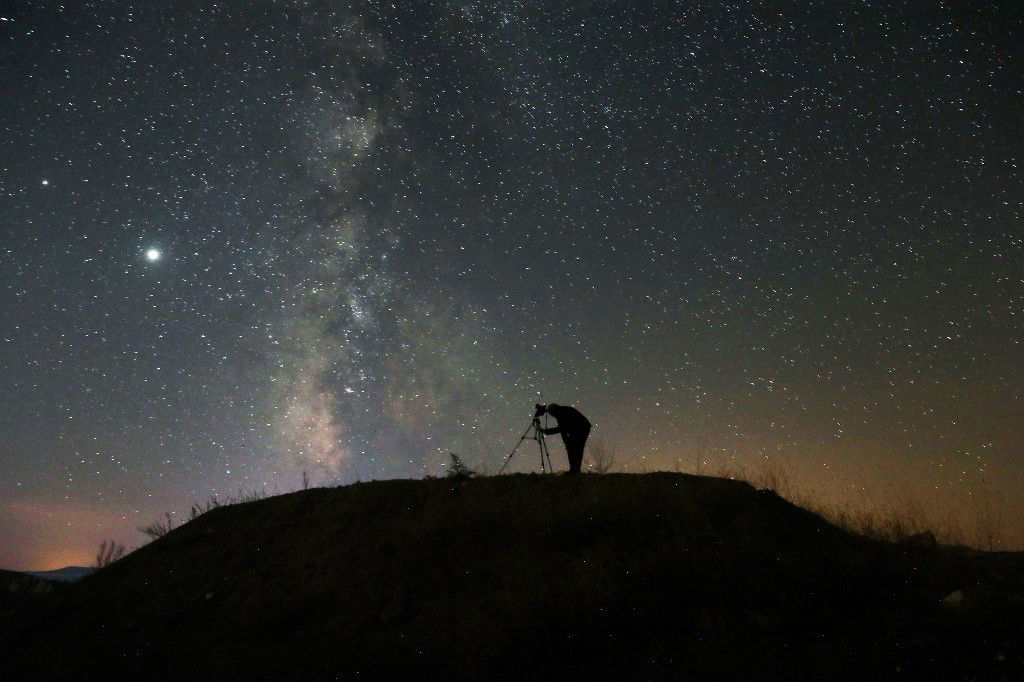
(581, 442)
(574, 448)
(567, 441)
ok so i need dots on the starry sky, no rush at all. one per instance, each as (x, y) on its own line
(245, 240)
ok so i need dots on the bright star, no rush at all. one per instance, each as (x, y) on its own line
(153, 254)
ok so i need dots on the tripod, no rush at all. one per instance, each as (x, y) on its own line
(538, 435)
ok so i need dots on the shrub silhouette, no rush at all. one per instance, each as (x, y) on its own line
(459, 469)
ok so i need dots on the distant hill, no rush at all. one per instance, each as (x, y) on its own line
(68, 574)
(624, 577)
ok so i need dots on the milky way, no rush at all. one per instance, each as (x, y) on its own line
(243, 241)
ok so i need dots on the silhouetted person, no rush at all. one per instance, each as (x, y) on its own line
(574, 428)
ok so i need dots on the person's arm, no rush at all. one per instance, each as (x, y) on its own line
(553, 429)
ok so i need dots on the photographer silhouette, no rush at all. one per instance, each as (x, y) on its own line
(574, 428)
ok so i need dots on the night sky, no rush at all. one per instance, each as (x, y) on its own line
(241, 240)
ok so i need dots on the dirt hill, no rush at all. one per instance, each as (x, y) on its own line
(654, 576)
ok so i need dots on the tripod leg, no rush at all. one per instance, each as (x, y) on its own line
(521, 439)
(509, 458)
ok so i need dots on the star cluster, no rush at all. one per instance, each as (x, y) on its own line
(247, 240)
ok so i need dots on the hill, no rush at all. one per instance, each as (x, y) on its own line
(653, 576)
(68, 574)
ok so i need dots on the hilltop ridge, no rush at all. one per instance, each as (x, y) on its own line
(620, 576)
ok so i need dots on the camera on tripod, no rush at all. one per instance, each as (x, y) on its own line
(534, 432)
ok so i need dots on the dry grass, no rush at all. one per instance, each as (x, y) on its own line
(601, 457)
(158, 528)
(109, 553)
(894, 515)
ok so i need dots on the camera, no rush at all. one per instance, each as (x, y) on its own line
(541, 409)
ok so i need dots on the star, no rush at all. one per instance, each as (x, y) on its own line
(153, 255)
